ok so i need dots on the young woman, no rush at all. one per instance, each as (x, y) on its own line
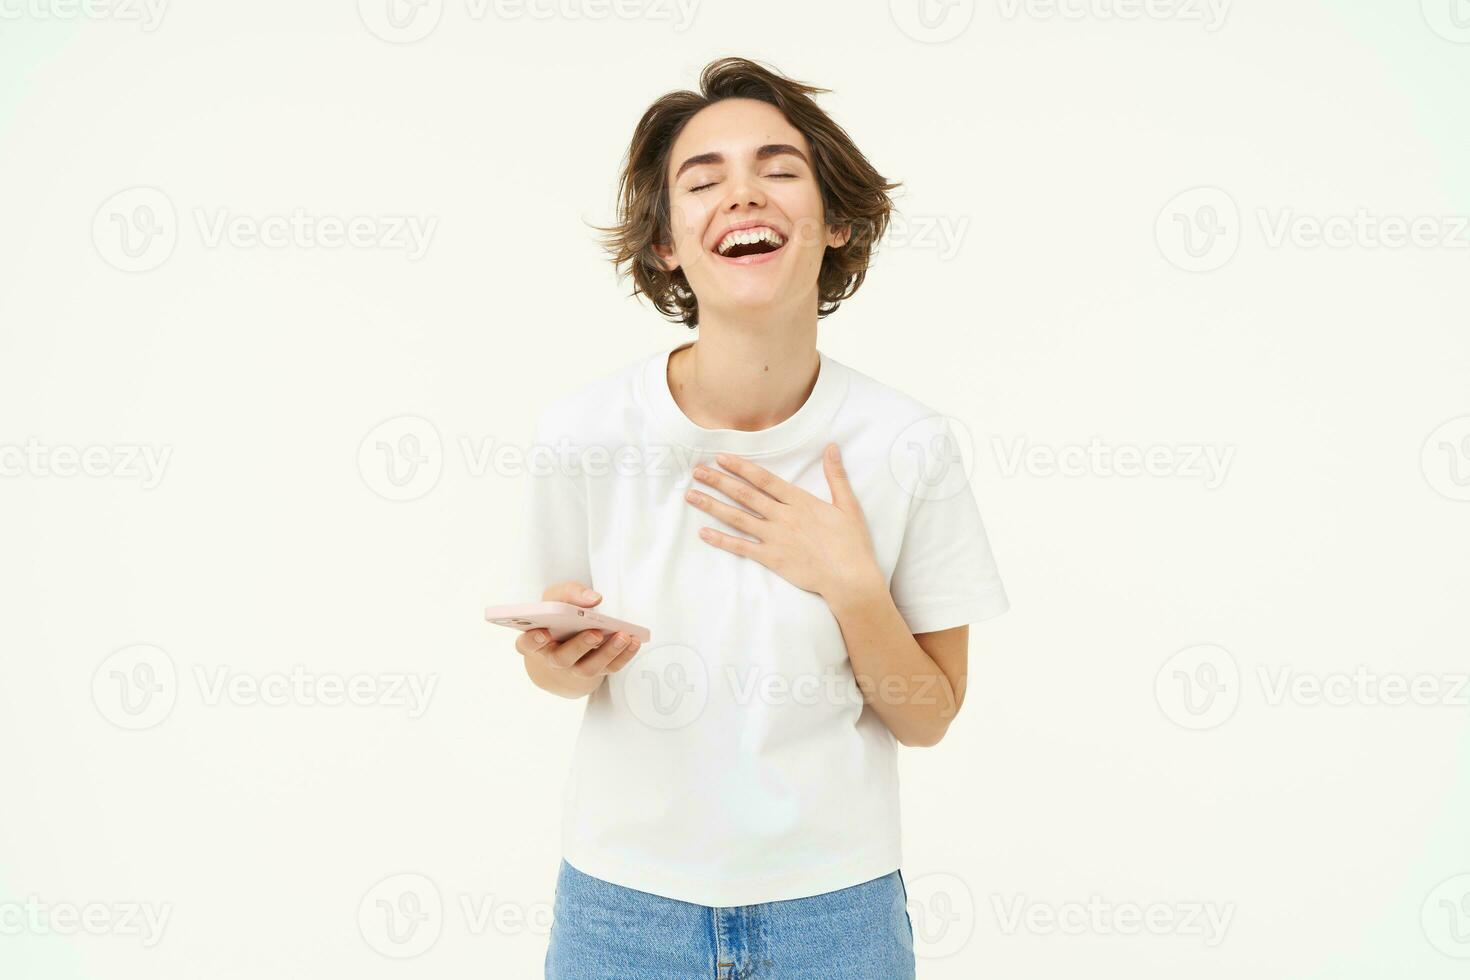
(798, 539)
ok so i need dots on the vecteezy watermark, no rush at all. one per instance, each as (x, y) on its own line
(1362, 687)
(1205, 921)
(1208, 464)
(145, 921)
(143, 462)
(942, 234)
(668, 686)
(1211, 14)
(1445, 917)
(932, 21)
(1450, 19)
(1362, 229)
(665, 686)
(932, 458)
(137, 229)
(298, 687)
(148, 14)
(137, 687)
(1445, 459)
(1200, 230)
(403, 458)
(1201, 686)
(1198, 687)
(403, 915)
(407, 21)
(941, 909)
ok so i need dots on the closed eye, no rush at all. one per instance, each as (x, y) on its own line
(712, 183)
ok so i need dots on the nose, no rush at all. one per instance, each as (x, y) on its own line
(745, 191)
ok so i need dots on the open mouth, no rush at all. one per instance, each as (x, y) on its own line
(762, 247)
(749, 246)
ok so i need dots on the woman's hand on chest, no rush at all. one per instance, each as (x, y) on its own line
(816, 545)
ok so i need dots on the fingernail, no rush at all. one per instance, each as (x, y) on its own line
(538, 638)
(589, 594)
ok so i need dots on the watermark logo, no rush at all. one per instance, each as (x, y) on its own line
(1206, 921)
(1199, 230)
(1362, 688)
(401, 459)
(146, 13)
(1199, 687)
(407, 21)
(123, 461)
(302, 688)
(665, 687)
(401, 916)
(135, 230)
(1362, 230)
(400, 21)
(932, 458)
(932, 21)
(1445, 459)
(136, 687)
(1205, 463)
(1446, 917)
(1211, 14)
(942, 234)
(145, 921)
(942, 910)
(1450, 19)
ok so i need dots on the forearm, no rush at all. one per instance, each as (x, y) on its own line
(903, 684)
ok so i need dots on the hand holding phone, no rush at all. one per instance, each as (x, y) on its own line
(562, 633)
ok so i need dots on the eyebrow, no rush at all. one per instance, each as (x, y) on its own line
(763, 153)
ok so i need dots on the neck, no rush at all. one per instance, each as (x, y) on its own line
(745, 375)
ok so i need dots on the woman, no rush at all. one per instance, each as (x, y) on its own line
(793, 534)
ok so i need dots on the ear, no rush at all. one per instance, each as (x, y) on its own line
(665, 255)
(838, 236)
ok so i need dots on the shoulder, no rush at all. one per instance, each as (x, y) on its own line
(889, 409)
(594, 410)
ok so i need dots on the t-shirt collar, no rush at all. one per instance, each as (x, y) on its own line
(810, 420)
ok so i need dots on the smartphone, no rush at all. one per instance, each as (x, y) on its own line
(562, 619)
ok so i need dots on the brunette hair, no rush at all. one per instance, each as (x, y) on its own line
(854, 194)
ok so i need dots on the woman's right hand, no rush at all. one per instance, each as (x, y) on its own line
(575, 666)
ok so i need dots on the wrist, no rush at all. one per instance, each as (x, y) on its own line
(853, 592)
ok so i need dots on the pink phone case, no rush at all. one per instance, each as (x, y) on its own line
(562, 619)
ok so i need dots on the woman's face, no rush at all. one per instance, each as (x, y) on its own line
(735, 163)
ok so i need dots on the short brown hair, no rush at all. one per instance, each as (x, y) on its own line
(854, 195)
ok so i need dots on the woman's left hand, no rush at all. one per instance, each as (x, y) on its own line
(815, 545)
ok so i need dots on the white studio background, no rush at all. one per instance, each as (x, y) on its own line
(1221, 246)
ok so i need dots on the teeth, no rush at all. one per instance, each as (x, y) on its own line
(750, 237)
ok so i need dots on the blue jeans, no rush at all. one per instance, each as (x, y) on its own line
(602, 931)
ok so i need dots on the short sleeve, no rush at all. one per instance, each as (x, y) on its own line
(552, 536)
(945, 574)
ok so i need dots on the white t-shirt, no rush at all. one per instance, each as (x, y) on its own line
(733, 760)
